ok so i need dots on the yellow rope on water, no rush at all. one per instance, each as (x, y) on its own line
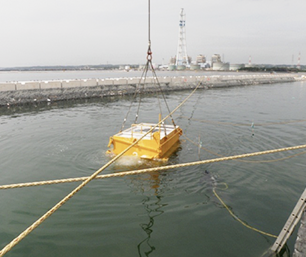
(21, 236)
(236, 218)
(162, 168)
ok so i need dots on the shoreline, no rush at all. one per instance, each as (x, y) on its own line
(33, 92)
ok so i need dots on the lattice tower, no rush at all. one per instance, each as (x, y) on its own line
(181, 56)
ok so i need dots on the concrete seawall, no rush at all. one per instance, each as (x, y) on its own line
(18, 93)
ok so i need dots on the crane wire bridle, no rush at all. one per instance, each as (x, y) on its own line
(142, 80)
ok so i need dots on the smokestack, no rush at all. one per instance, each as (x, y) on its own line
(299, 62)
(250, 60)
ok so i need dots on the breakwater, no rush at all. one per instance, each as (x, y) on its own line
(18, 93)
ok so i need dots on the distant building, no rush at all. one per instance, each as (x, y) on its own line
(172, 65)
(217, 64)
(216, 58)
(201, 59)
(172, 60)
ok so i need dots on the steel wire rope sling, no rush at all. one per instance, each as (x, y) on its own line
(142, 80)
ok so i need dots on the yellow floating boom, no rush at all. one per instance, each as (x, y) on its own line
(159, 144)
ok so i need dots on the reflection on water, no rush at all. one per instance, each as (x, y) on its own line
(149, 184)
(153, 208)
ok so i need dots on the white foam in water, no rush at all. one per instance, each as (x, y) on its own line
(129, 161)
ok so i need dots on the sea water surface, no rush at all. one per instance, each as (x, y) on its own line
(168, 213)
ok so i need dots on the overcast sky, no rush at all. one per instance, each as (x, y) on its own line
(78, 32)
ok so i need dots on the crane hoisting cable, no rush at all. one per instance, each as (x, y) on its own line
(163, 140)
